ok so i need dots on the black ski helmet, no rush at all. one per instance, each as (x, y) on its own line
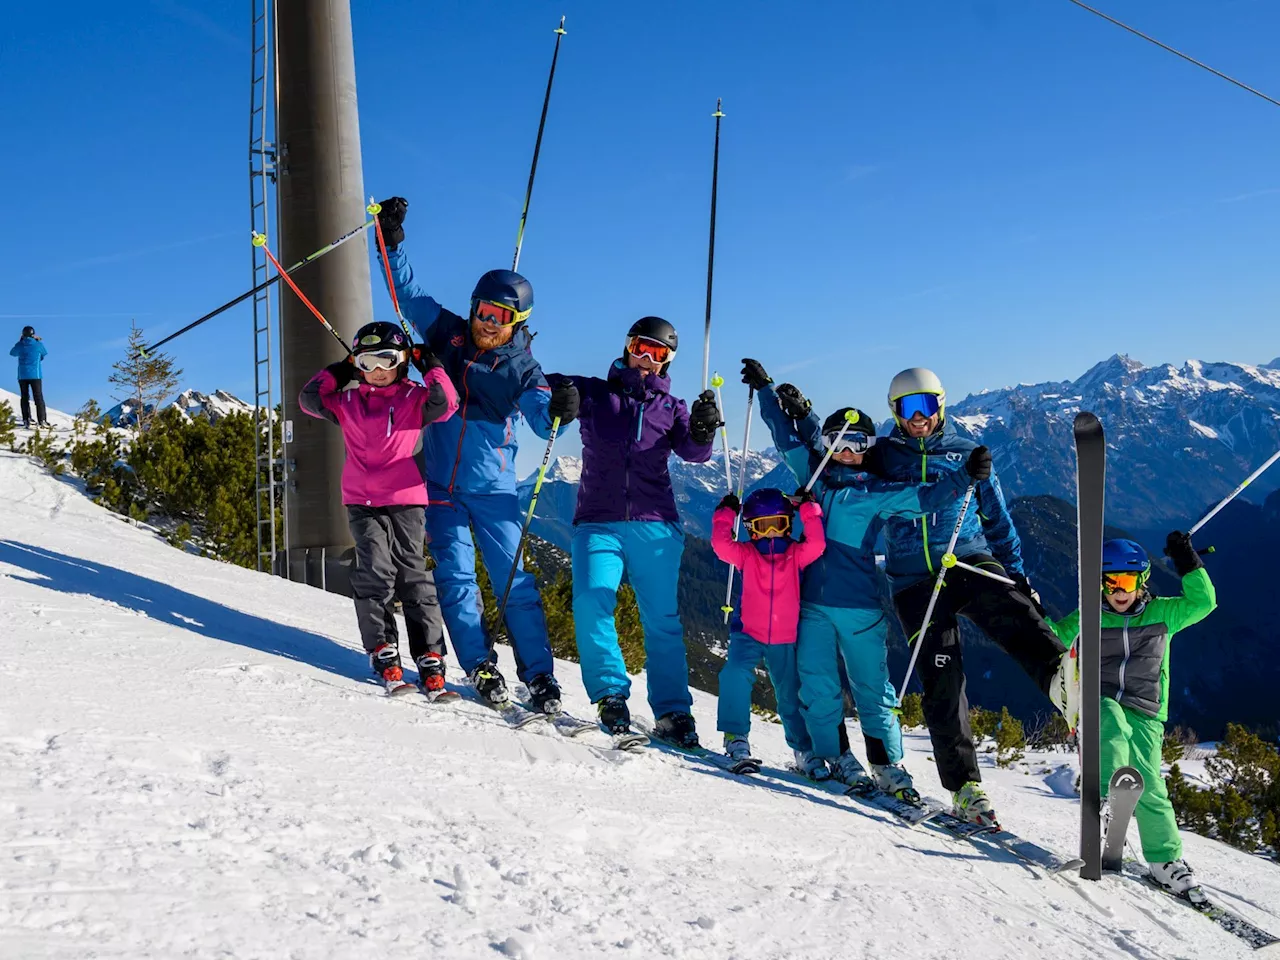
(659, 331)
(28, 331)
(505, 288)
(861, 423)
(379, 335)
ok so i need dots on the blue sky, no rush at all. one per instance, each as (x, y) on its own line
(1002, 190)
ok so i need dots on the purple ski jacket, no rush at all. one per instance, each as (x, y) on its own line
(630, 425)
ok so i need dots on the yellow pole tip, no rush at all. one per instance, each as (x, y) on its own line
(850, 416)
(259, 240)
(374, 209)
(717, 381)
(948, 560)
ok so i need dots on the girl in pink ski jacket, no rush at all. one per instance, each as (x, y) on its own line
(382, 414)
(765, 628)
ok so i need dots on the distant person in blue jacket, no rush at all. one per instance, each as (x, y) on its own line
(470, 463)
(30, 351)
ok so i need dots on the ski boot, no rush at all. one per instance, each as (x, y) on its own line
(848, 770)
(1175, 876)
(893, 779)
(736, 747)
(971, 804)
(385, 661)
(678, 729)
(814, 768)
(431, 674)
(1064, 688)
(545, 694)
(490, 685)
(615, 718)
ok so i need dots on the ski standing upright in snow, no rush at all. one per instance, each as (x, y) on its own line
(1123, 795)
(1091, 472)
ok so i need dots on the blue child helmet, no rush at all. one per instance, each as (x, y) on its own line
(767, 502)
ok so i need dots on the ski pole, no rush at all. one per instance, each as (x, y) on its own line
(948, 560)
(1234, 493)
(850, 418)
(742, 486)
(711, 249)
(260, 240)
(143, 351)
(717, 382)
(537, 147)
(374, 209)
(528, 519)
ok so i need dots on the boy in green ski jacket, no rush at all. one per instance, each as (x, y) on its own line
(1136, 631)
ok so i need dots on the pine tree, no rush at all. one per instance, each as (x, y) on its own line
(8, 425)
(144, 380)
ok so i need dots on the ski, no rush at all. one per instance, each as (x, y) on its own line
(1091, 471)
(718, 760)
(630, 741)
(515, 714)
(570, 726)
(441, 696)
(910, 814)
(1227, 919)
(399, 688)
(983, 837)
(1123, 794)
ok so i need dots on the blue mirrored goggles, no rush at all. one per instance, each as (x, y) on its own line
(925, 404)
(853, 442)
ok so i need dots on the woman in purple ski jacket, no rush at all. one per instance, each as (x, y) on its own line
(626, 520)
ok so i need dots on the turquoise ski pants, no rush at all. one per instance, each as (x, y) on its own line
(738, 677)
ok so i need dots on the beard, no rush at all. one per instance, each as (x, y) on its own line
(486, 342)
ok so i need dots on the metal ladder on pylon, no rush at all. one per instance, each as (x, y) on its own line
(262, 177)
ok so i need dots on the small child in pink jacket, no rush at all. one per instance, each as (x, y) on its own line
(765, 628)
(382, 414)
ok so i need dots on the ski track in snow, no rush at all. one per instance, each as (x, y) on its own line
(193, 763)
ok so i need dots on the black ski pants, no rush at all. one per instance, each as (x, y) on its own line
(390, 565)
(1010, 619)
(33, 389)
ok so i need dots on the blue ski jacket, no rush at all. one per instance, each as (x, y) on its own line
(29, 352)
(855, 503)
(915, 547)
(475, 451)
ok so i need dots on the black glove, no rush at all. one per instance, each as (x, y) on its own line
(753, 374)
(704, 418)
(343, 371)
(731, 501)
(1023, 586)
(979, 465)
(423, 359)
(803, 496)
(565, 402)
(793, 402)
(1178, 548)
(391, 219)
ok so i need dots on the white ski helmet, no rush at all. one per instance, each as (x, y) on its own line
(916, 380)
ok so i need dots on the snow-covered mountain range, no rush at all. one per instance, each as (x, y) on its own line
(191, 403)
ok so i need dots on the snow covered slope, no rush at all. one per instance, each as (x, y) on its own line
(193, 763)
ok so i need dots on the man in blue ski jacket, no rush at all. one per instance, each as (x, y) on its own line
(470, 463)
(839, 605)
(30, 352)
(924, 446)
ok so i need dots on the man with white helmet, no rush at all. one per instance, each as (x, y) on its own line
(923, 447)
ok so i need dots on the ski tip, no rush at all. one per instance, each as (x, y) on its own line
(1086, 423)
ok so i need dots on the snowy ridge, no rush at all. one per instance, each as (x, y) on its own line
(57, 419)
(271, 802)
(193, 403)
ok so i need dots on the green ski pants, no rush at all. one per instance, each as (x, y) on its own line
(1130, 738)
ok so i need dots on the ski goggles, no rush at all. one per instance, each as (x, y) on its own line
(774, 526)
(372, 360)
(655, 351)
(1121, 582)
(853, 442)
(497, 313)
(925, 404)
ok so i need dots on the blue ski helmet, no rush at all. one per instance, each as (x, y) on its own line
(767, 502)
(1125, 556)
(507, 289)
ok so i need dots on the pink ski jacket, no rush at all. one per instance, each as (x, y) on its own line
(382, 428)
(770, 583)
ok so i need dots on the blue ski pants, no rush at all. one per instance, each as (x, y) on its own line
(738, 676)
(496, 519)
(861, 636)
(649, 552)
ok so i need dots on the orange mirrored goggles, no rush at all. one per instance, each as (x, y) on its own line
(490, 312)
(655, 351)
(1121, 582)
(775, 526)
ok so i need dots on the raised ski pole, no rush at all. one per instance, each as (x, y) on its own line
(742, 485)
(711, 250)
(374, 209)
(1233, 494)
(260, 240)
(717, 382)
(528, 519)
(850, 418)
(142, 352)
(537, 147)
(948, 561)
